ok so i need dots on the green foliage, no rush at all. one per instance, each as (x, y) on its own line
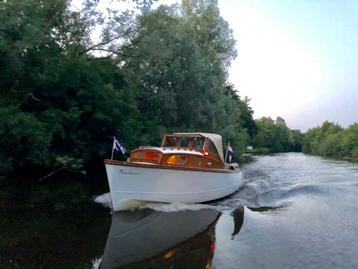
(24, 139)
(276, 136)
(246, 112)
(330, 145)
(332, 140)
(178, 62)
(349, 141)
(61, 102)
(296, 140)
(59, 107)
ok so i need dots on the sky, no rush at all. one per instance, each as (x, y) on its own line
(296, 59)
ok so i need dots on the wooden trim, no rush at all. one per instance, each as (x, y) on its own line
(212, 170)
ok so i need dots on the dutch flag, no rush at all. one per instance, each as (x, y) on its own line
(230, 152)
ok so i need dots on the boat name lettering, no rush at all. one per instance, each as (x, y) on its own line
(128, 172)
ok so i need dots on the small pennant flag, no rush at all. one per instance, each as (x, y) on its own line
(118, 147)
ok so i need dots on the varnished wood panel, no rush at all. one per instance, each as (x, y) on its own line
(160, 166)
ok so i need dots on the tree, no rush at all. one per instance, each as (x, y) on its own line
(332, 140)
(178, 62)
(159, 70)
(246, 112)
(58, 106)
(350, 141)
(276, 136)
(296, 140)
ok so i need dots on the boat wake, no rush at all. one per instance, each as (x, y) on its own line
(106, 201)
(254, 198)
(174, 207)
(96, 263)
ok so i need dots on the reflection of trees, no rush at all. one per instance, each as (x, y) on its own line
(35, 238)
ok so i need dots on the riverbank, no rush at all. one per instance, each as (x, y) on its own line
(54, 194)
(338, 158)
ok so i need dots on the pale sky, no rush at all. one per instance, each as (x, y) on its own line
(296, 59)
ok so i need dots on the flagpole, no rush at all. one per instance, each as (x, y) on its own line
(227, 149)
(112, 148)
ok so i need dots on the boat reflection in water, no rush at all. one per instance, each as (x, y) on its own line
(152, 239)
(238, 216)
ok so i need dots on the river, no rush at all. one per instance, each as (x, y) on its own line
(294, 211)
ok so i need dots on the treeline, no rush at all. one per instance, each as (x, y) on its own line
(63, 95)
(274, 136)
(332, 140)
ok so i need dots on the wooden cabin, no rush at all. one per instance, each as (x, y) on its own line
(196, 150)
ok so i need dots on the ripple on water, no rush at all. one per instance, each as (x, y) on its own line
(294, 211)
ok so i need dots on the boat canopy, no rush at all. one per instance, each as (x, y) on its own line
(215, 138)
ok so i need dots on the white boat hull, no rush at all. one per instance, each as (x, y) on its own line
(153, 184)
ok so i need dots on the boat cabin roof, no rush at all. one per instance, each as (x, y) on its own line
(214, 138)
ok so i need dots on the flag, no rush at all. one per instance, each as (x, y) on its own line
(230, 152)
(118, 147)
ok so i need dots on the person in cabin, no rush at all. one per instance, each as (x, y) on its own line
(191, 144)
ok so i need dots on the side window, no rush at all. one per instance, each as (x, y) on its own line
(199, 142)
(212, 148)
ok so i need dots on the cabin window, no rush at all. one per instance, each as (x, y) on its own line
(148, 155)
(177, 159)
(138, 155)
(184, 142)
(199, 142)
(212, 148)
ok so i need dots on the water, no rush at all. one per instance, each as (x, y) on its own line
(300, 212)
(294, 211)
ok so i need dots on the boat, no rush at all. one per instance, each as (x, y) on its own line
(154, 239)
(185, 168)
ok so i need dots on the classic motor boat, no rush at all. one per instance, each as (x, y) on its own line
(186, 168)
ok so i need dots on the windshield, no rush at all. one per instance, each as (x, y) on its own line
(184, 142)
